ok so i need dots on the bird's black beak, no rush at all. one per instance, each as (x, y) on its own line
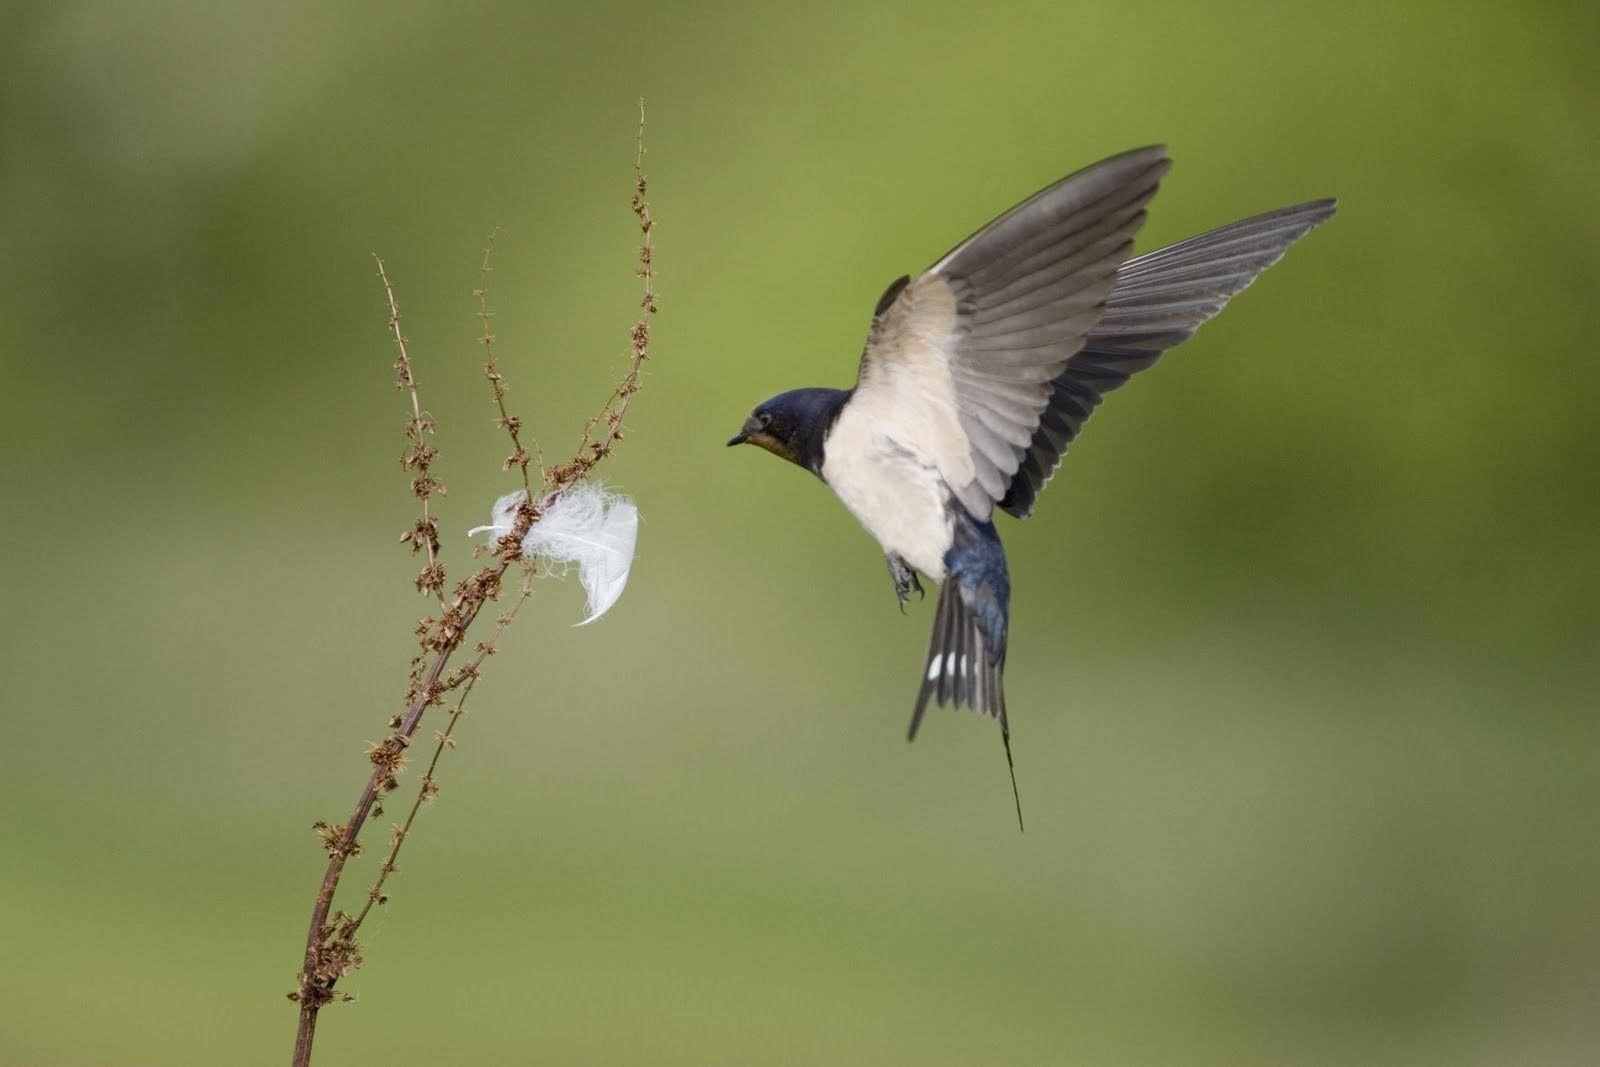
(751, 425)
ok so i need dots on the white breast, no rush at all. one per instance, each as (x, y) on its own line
(901, 499)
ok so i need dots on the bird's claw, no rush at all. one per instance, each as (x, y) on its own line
(905, 580)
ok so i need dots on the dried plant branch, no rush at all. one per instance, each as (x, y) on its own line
(331, 949)
(428, 788)
(608, 421)
(419, 457)
(512, 424)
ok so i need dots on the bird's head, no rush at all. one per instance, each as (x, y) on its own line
(792, 425)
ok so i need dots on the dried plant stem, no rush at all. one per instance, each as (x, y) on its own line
(331, 948)
(608, 422)
(424, 535)
(512, 424)
(428, 788)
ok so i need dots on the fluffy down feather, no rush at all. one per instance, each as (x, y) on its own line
(586, 525)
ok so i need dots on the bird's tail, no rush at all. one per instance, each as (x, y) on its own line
(962, 669)
(967, 652)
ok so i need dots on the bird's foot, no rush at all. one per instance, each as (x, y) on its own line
(905, 580)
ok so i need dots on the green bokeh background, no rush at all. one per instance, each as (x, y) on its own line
(1306, 639)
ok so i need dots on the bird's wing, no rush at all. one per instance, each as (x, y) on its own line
(960, 362)
(1159, 300)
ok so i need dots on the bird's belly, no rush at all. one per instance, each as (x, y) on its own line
(901, 501)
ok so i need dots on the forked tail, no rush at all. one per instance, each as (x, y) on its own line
(967, 652)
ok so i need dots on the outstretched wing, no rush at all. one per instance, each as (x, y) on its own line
(961, 362)
(1159, 300)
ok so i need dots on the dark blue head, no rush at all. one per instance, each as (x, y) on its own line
(792, 425)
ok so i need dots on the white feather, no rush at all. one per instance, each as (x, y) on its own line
(501, 518)
(585, 525)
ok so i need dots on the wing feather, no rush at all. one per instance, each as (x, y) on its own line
(1160, 299)
(968, 352)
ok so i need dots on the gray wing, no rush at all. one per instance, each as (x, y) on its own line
(961, 361)
(1160, 300)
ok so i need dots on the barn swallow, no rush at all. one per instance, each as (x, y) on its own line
(977, 375)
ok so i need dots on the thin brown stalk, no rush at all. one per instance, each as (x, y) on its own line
(608, 422)
(512, 424)
(331, 951)
(419, 457)
(428, 788)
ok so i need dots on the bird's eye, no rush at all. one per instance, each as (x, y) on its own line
(764, 418)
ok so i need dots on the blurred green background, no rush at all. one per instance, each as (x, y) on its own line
(1306, 641)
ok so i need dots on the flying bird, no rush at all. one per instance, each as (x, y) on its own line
(977, 375)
